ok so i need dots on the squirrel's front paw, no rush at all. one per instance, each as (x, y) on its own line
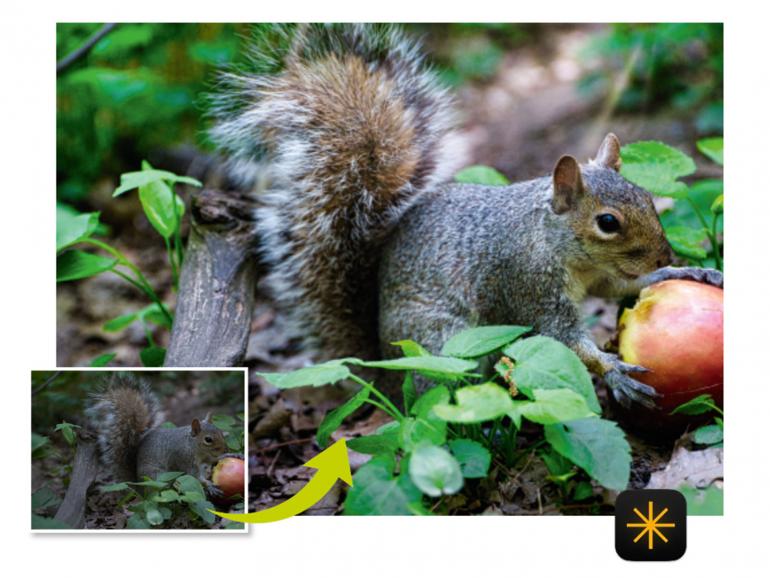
(626, 390)
(214, 492)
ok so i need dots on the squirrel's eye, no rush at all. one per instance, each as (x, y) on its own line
(208, 439)
(608, 223)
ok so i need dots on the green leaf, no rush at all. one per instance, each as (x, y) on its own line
(187, 483)
(45, 498)
(102, 360)
(38, 442)
(473, 457)
(43, 523)
(418, 430)
(408, 390)
(68, 431)
(411, 348)
(74, 265)
(424, 405)
(596, 445)
(168, 476)
(435, 471)
(479, 341)
(152, 356)
(476, 403)
(201, 508)
(687, 241)
(583, 491)
(656, 167)
(73, 227)
(315, 376)
(718, 206)
(376, 492)
(708, 502)
(713, 148)
(481, 175)
(545, 363)
(554, 406)
(708, 435)
(153, 515)
(167, 496)
(137, 522)
(119, 487)
(121, 322)
(134, 180)
(428, 365)
(385, 441)
(159, 203)
(701, 404)
(334, 418)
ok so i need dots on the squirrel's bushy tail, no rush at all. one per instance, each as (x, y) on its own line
(343, 139)
(120, 412)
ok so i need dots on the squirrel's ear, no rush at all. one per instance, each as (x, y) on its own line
(196, 427)
(609, 153)
(567, 184)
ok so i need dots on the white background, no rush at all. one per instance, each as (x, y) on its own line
(439, 546)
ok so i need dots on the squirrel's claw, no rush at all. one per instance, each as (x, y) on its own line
(627, 390)
(700, 274)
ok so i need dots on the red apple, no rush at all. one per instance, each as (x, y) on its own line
(675, 330)
(228, 476)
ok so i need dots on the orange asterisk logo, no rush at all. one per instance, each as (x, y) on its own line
(650, 525)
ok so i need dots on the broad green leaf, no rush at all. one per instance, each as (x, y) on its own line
(476, 403)
(334, 418)
(74, 265)
(386, 440)
(687, 242)
(481, 175)
(187, 483)
(713, 148)
(137, 522)
(554, 406)
(708, 435)
(153, 515)
(596, 445)
(152, 356)
(429, 365)
(102, 360)
(435, 471)
(68, 431)
(708, 502)
(418, 430)
(148, 483)
(315, 376)
(479, 341)
(72, 227)
(159, 203)
(424, 405)
(377, 492)
(700, 196)
(656, 167)
(473, 457)
(168, 476)
(134, 180)
(545, 363)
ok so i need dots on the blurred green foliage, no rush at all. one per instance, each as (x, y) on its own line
(671, 64)
(136, 90)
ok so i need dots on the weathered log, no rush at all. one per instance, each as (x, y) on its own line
(217, 283)
(85, 467)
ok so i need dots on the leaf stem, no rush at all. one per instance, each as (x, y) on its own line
(363, 383)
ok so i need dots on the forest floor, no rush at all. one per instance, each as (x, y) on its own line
(519, 122)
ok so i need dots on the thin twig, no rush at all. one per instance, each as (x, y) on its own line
(46, 383)
(84, 48)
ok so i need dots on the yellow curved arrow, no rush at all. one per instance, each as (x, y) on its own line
(332, 464)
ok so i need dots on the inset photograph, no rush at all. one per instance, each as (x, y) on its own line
(137, 450)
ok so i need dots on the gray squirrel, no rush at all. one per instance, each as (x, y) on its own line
(127, 418)
(350, 146)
